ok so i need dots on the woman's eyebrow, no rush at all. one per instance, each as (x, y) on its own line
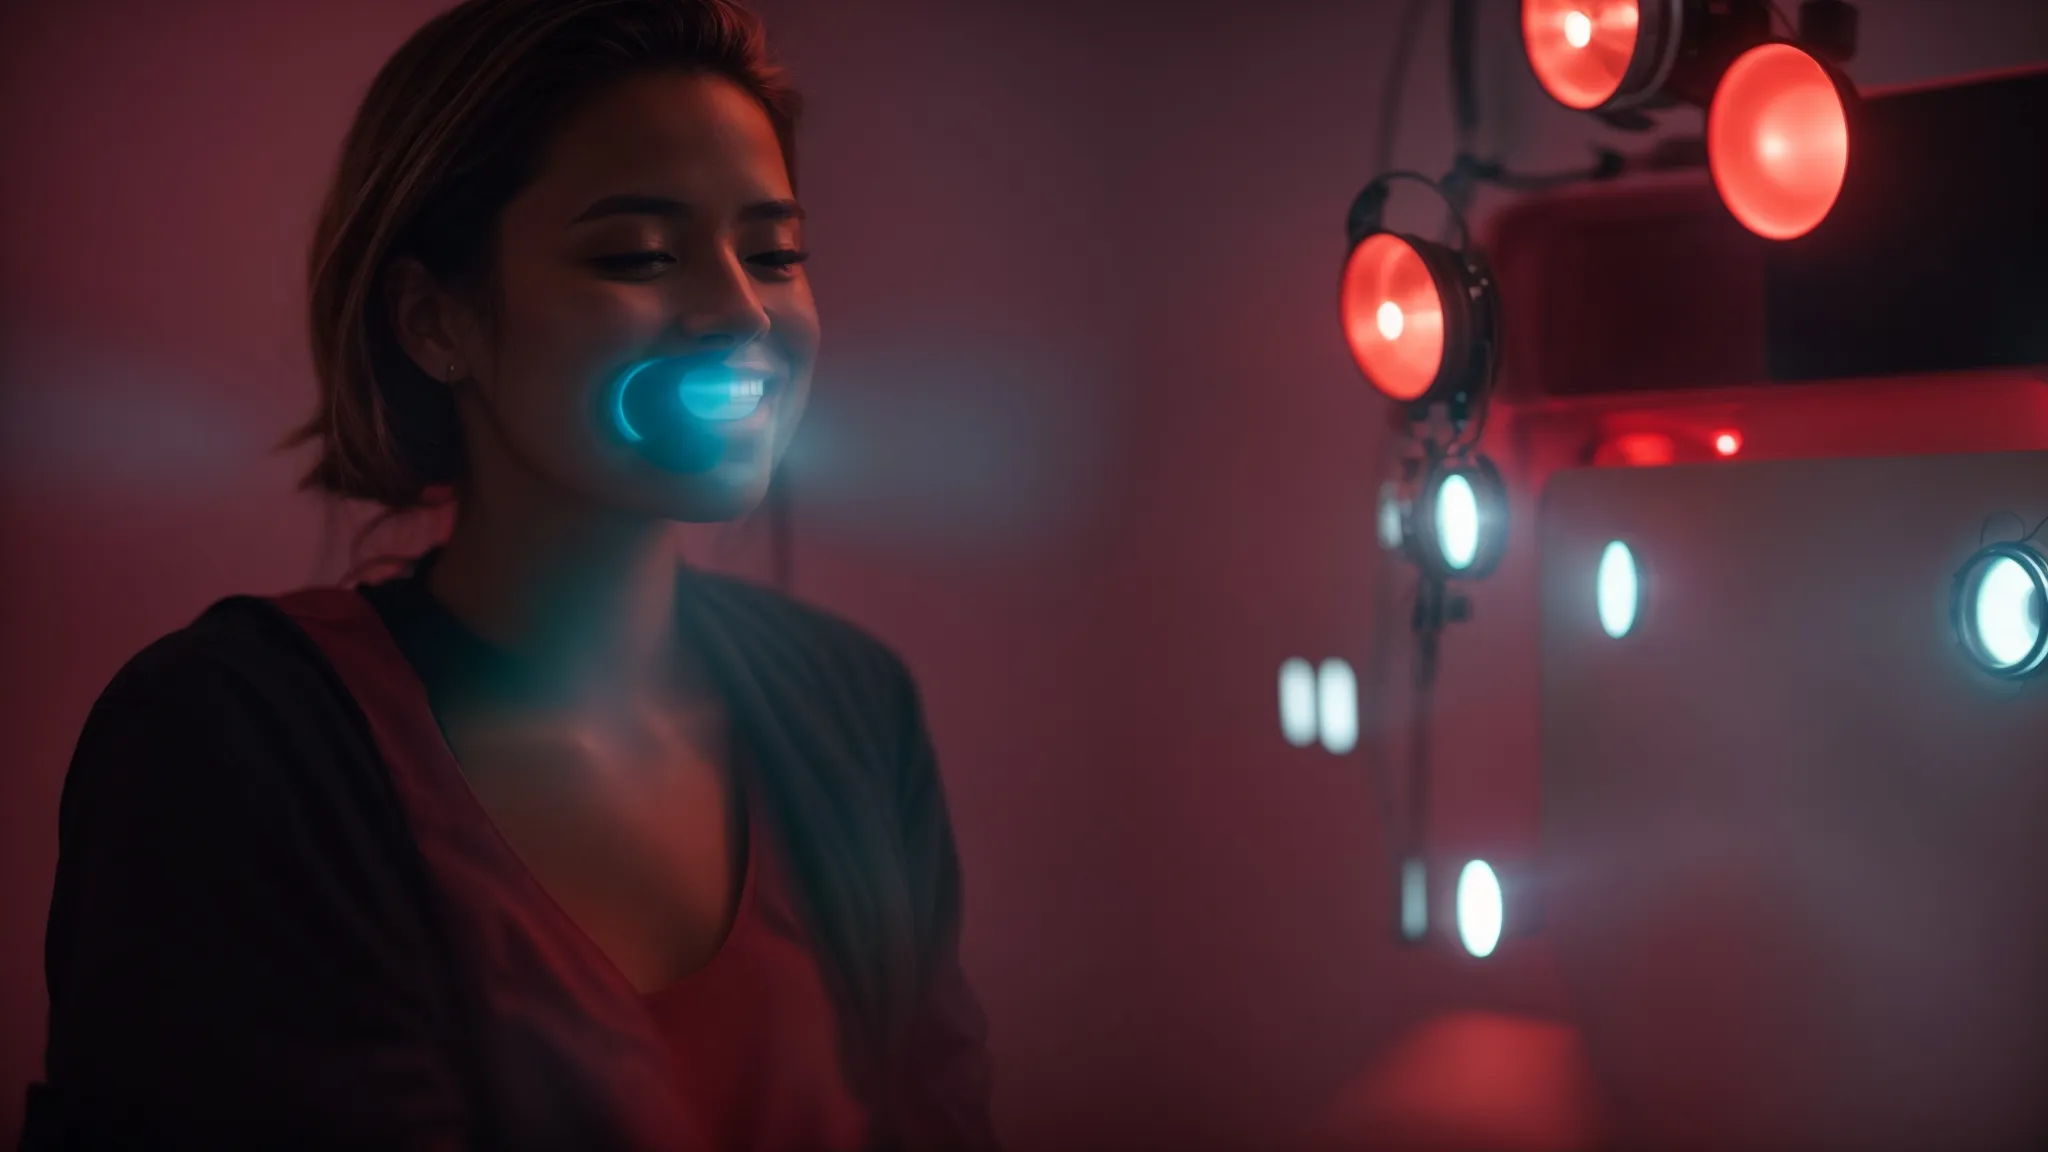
(642, 204)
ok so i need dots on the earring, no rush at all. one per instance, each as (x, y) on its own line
(451, 373)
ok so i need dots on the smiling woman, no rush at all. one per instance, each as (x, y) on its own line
(548, 842)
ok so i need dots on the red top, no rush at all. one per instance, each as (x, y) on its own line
(754, 1032)
(747, 1048)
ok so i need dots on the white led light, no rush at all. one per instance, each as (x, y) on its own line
(1457, 521)
(2007, 613)
(1337, 707)
(1479, 908)
(1617, 589)
(2000, 609)
(1298, 703)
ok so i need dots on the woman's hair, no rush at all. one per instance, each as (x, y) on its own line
(452, 128)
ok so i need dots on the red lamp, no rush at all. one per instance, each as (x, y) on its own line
(1778, 139)
(1418, 316)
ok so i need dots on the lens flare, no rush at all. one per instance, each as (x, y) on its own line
(1393, 316)
(1580, 49)
(1778, 141)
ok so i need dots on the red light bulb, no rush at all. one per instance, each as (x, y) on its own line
(1393, 316)
(1580, 49)
(1778, 141)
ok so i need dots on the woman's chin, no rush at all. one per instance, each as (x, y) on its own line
(727, 492)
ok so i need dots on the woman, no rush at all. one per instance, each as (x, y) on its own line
(550, 842)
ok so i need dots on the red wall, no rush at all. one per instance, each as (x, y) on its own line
(1086, 448)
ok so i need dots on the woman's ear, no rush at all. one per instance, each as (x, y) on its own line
(427, 319)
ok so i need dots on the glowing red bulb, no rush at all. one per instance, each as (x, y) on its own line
(1393, 316)
(1728, 443)
(1778, 141)
(1580, 49)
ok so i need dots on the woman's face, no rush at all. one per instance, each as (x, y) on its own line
(661, 227)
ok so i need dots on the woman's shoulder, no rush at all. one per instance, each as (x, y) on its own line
(233, 716)
(241, 688)
(242, 643)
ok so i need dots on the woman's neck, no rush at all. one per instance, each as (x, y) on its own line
(586, 593)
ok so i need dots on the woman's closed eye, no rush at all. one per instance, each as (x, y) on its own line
(632, 263)
(778, 264)
(781, 263)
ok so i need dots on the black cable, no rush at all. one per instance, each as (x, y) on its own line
(1984, 529)
(2035, 532)
(1464, 82)
(1382, 632)
(1784, 21)
(1397, 75)
(1607, 164)
(1428, 632)
(1379, 655)
(1466, 438)
(1464, 231)
(1467, 169)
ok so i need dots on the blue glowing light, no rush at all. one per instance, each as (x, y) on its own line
(721, 393)
(625, 425)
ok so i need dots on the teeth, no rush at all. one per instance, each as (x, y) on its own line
(722, 397)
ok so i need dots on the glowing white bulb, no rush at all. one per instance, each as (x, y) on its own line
(1457, 521)
(1479, 908)
(1578, 29)
(1616, 589)
(1391, 320)
(1298, 703)
(2007, 613)
(1337, 707)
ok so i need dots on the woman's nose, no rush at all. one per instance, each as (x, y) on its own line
(723, 308)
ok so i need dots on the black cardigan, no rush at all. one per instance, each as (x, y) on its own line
(242, 941)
